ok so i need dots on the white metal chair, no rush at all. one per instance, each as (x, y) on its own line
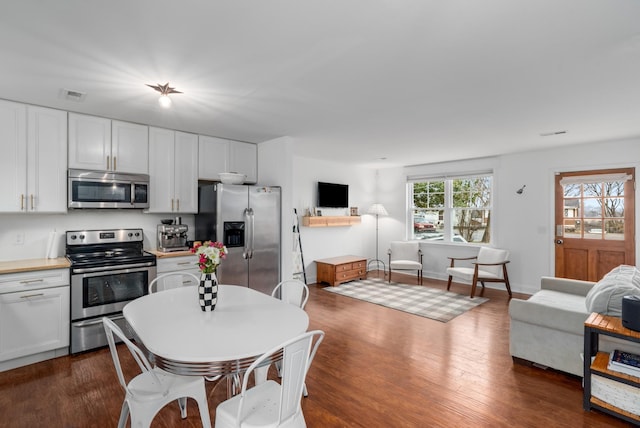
(271, 403)
(490, 266)
(174, 281)
(152, 389)
(292, 291)
(405, 255)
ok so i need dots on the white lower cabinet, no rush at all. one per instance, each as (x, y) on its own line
(34, 317)
(177, 264)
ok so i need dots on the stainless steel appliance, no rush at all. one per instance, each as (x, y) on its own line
(109, 269)
(247, 220)
(172, 237)
(101, 189)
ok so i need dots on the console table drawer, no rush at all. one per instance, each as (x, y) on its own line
(350, 274)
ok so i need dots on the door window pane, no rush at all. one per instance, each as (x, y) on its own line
(594, 210)
(614, 229)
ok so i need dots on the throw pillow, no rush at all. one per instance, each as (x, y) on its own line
(606, 295)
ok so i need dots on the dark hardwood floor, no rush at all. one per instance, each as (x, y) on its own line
(377, 367)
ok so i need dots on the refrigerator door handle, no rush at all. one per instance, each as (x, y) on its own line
(247, 243)
(251, 231)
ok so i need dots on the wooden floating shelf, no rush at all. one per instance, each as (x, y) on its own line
(330, 221)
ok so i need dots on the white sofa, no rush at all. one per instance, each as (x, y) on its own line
(548, 328)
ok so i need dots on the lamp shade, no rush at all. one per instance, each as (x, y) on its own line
(377, 209)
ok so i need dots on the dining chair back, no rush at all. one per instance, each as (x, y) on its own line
(405, 255)
(271, 403)
(152, 389)
(292, 291)
(173, 280)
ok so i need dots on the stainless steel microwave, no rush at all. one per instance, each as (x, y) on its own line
(103, 189)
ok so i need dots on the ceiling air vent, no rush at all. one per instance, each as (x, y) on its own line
(549, 134)
(72, 95)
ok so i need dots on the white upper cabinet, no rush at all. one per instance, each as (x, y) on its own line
(33, 166)
(129, 147)
(219, 155)
(173, 171)
(213, 157)
(89, 142)
(99, 144)
(243, 159)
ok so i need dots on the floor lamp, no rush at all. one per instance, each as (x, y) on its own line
(377, 210)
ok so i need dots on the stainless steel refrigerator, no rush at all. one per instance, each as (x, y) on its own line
(247, 220)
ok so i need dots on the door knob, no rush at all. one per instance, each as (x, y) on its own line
(559, 241)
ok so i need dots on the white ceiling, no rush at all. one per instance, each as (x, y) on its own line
(412, 81)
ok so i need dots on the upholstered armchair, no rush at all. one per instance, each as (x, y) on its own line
(490, 266)
(405, 256)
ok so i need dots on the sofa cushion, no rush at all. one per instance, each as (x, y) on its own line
(552, 309)
(606, 295)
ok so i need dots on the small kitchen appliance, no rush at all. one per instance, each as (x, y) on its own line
(109, 269)
(100, 189)
(172, 237)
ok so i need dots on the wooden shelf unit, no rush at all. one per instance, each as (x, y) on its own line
(330, 221)
(336, 270)
(595, 326)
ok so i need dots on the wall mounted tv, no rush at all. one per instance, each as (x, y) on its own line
(331, 195)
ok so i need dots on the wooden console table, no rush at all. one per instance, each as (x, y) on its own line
(337, 270)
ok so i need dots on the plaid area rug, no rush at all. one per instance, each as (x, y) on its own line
(439, 305)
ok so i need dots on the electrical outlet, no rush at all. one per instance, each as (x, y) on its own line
(19, 238)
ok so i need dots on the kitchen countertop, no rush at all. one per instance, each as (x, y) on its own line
(30, 265)
(161, 255)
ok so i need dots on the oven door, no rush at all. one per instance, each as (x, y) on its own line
(106, 290)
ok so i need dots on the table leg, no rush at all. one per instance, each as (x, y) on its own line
(234, 384)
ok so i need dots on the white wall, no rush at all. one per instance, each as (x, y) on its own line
(36, 228)
(523, 224)
(275, 160)
(324, 242)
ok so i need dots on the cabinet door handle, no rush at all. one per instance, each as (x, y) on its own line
(33, 205)
(171, 204)
(184, 263)
(30, 281)
(114, 164)
(29, 296)
(108, 162)
(21, 201)
(178, 205)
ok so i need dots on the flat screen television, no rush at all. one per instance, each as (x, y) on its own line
(331, 195)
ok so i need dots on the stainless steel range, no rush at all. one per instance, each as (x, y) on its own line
(109, 268)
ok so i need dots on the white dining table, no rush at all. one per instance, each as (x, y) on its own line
(185, 340)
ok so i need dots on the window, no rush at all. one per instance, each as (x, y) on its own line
(594, 206)
(452, 209)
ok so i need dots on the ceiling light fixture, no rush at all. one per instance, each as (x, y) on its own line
(164, 90)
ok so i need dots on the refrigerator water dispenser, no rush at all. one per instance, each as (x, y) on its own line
(234, 234)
